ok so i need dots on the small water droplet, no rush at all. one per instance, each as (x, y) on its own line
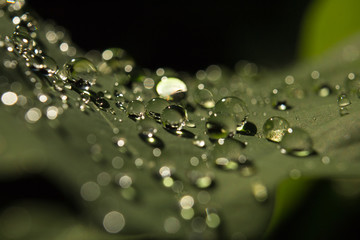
(155, 107)
(102, 103)
(80, 68)
(229, 155)
(43, 64)
(297, 142)
(136, 110)
(343, 100)
(275, 128)
(174, 117)
(199, 142)
(204, 98)
(324, 90)
(235, 107)
(171, 89)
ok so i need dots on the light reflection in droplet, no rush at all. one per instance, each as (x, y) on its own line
(172, 225)
(186, 202)
(90, 191)
(9, 98)
(52, 112)
(125, 181)
(33, 115)
(114, 222)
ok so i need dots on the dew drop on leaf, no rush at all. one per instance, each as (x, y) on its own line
(174, 117)
(297, 142)
(136, 110)
(80, 68)
(155, 106)
(204, 98)
(234, 107)
(171, 88)
(343, 100)
(275, 128)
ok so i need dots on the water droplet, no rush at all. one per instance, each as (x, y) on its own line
(43, 64)
(90, 191)
(174, 117)
(259, 191)
(171, 88)
(275, 128)
(116, 61)
(136, 110)
(102, 103)
(22, 42)
(199, 142)
(186, 202)
(343, 111)
(343, 100)
(235, 107)
(229, 155)
(33, 115)
(352, 83)
(282, 106)
(297, 142)
(212, 219)
(249, 129)
(9, 98)
(80, 68)
(220, 126)
(155, 107)
(201, 180)
(172, 225)
(147, 129)
(324, 90)
(204, 98)
(114, 222)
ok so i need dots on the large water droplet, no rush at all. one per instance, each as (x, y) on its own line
(136, 110)
(204, 98)
(234, 107)
(80, 68)
(275, 128)
(174, 117)
(171, 88)
(297, 142)
(155, 107)
(220, 126)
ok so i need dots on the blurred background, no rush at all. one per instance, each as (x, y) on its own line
(185, 35)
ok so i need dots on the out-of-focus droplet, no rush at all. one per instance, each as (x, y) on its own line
(297, 142)
(204, 98)
(171, 88)
(9, 98)
(275, 128)
(90, 191)
(114, 222)
(259, 191)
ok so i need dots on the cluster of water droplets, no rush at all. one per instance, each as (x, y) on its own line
(201, 110)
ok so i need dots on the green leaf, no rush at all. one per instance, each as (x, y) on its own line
(326, 24)
(93, 152)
